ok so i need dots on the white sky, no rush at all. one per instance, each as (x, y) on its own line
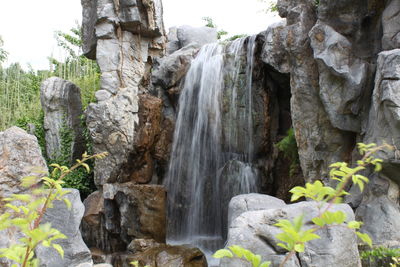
(27, 26)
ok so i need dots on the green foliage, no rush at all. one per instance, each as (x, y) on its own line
(37, 122)
(234, 37)
(24, 212)
(380, 253)
(293, 236)
(210, 23)
(288, 146)
(3, 53)
(241, 253)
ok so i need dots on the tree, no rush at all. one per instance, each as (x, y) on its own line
(3, 53)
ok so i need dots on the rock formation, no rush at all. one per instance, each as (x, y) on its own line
(255, 230)
(20, 156)
(62, 107)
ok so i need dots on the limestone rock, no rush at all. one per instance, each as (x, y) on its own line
(173, 68)
(164, 255)
(67, 222)
(274, 53)
(62, 106)
(20, 156)
(342, 76)
(255, 230)
(179, 37)
(251, 202)
(391, 26)
(89, 18)
(384, 115)
(112, 127)
(319, 143)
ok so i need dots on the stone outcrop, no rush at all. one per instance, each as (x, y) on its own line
(123, 213)
(391, 25)
(255, 230)
(20, 156)
(164, 255)
(67, 221)
(127, 36)
(179, 37)
(62, 106)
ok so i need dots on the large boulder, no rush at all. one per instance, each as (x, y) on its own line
(67, 221)
(179, 37)
(20, 156)
(62, 107)
(164, 255)
(251, 202)
(122, 213)
(255, 230)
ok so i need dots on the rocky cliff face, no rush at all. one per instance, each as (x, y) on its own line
(343, 66)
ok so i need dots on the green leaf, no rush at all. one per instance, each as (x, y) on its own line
(318, 221)
(365, 238)
(67, 202)
(59, 249)
(238, 251)
(265, 264)
(354, 225)
(299, 247)
(222, 253)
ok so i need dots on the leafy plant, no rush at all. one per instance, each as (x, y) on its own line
(3, 53)
(210, 23)
(293, 236)
(241, 253)
(25, 212)
(288, 147)
(381, 255)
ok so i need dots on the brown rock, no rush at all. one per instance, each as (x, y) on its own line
(165, 256)
(136, 211)
(140, 245)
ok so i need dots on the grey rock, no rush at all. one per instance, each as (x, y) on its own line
(67, 221)
(384, 116)
(102, 95)
(252, 202)
(319, 143)
(274, 53)
(173, 41)
(358, 20)
(342, 76)
(62, 106)
(380, 216)
(102, 265)
(255, 230)
(200, 35)
(391, 26)
(105, 30)
(112, 127)
(20, 156)
(173, 68)
(89, 19)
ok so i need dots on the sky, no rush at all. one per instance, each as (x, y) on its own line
(27, 26)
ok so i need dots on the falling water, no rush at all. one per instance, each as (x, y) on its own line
(213, 144)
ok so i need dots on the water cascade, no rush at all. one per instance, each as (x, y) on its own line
(212, 152)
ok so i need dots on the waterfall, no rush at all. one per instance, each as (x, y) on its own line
(212, 152)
